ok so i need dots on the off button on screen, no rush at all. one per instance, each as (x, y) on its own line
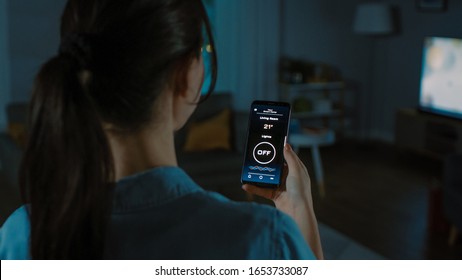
(264, 153)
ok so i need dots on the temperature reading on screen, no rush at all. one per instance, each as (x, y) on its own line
(267, 126)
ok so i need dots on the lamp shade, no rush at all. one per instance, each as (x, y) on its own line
(373, 19)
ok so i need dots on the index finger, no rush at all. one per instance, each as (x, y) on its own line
(292, 159)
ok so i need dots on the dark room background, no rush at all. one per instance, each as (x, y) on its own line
(251, 38)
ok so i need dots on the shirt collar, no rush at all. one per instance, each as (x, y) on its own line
(153, 187)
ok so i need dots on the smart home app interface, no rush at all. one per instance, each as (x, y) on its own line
(264, 153)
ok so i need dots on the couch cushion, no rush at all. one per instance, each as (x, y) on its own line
(214, 105)
(18, 133)
(17, 122)
(210, 134)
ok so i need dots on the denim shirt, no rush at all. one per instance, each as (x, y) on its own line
(163, 214)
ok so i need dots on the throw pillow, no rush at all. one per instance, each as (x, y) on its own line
(17, 132)
(211, 134)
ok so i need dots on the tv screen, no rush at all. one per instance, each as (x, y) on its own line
(441, 81)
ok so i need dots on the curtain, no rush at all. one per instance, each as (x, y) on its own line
(248, 46)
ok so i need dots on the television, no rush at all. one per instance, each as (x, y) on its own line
(441, 79)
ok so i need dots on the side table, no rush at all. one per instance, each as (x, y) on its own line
(314, 140)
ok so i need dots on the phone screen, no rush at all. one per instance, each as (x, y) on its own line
(267, 133)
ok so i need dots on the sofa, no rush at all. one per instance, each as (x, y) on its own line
(10, 156)
(214, 169)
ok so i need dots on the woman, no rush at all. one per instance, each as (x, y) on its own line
(100, 175)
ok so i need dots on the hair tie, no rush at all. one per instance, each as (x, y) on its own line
(78, 47)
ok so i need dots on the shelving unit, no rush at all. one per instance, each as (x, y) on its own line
(332, 94)
(327, 103)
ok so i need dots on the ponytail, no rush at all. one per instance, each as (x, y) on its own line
(67, 172)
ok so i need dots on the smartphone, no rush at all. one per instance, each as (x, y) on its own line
(266, 137)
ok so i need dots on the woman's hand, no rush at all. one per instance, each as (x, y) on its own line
(294, 198)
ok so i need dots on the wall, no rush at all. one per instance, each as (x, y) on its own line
(251, 36)
(33, 38)
(398, 58)
(386, 68)
(247, 34)
(321, 31)
(4, 64)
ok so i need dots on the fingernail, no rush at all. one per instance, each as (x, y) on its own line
(288, 147)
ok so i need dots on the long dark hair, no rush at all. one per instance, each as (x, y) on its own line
(116, 57)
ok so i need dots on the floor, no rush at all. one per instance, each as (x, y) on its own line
(337, 246)
(380, 197)
(376, 195)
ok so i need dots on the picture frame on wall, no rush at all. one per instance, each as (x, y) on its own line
(433, 6)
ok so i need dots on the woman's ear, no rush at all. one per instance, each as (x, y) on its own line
(189, 80)
(187, 93)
